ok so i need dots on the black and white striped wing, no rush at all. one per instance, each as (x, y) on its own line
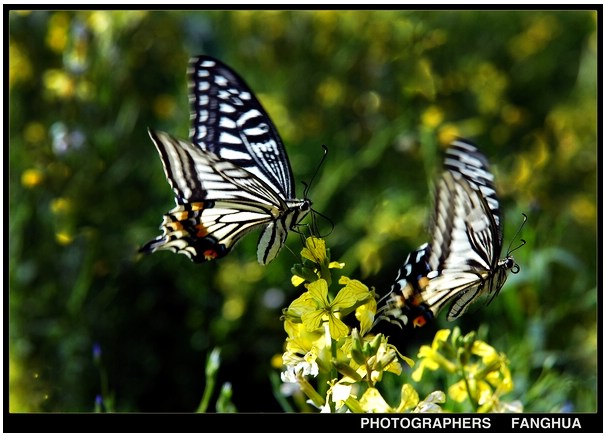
(467, 234)
(461, 264)
(218, 203)
(228, 120)
(405, 303)
(232, 176)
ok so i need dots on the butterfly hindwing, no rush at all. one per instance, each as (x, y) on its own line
(404, 304)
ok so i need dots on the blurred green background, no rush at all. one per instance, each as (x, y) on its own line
(92, 322)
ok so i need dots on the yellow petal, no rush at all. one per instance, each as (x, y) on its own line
(441, 336)
(338, 328)
(315, 250)
(458, 392)
(318, 290)
(296, 280)
(372, 401)
(365, 314)
(409, 398)
(301, 305)
(313, 320)
(481, 348)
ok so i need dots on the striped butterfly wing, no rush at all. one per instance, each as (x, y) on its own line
(228, 120)
(404, 304)
(233, 177)
(467, 234)
(462, 263)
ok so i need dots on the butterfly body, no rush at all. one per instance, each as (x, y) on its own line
(462, 262)
(231, 177)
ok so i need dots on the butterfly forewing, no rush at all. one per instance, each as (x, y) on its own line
(467, 232)
(228, 120)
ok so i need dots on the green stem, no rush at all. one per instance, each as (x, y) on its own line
(208, 390)
(474, 405)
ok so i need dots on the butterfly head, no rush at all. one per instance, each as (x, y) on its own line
(510, 264)
(304, 206)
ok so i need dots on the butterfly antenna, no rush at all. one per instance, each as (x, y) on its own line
(314, 225)
(523, 242)
(308, 186)
(315, 229)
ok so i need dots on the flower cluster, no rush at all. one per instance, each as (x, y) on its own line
(346, 362)
(481, 372)
(338, 364)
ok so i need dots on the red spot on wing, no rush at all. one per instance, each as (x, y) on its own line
(210, 254)
(419, 321)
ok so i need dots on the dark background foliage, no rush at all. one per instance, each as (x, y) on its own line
(384, 91)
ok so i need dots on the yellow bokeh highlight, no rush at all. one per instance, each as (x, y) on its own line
(584, 210)
(99, 21)
(58, 31)
(164, 106)
(536, 37)
(19, 66)
(61, 205)
(31, 178)
(432, 117)
(489, 85)
(330, 91)
(64, 238)
(34, 132)
(276, 361)
(448, 133)
(233, 308)
(59, 83)
(85, 90)
(511, 114)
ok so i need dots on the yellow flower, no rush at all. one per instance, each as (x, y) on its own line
(353, 294)
(302, 353)
(340, 391)
(325, 310)
(431, 358)
(479, 390)
(316, 263)
(315, 250)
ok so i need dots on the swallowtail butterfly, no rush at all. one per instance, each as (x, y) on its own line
(462, 263)
(233, 175)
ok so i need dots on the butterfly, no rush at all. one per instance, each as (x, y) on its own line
(232, 177)
(462, 262)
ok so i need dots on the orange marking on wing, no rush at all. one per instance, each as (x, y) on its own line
(419, 321)
(423, 282)
(202, 231)
(174, 226)
(181, 216)
(210, 254)
(417, 300)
